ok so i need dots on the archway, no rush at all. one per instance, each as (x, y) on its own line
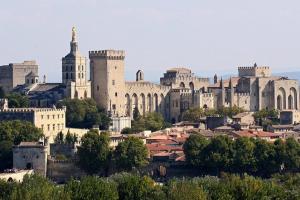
(143, 104)
(127, 105)
(290, 102)
(149, 101)
(279, 102)
(155, 102)
(282, 93)
(182, 85)
(294, 94)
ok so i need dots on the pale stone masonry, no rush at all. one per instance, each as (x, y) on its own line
(50, 120)
(14, 74)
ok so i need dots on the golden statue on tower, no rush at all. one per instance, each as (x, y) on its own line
(73, 34)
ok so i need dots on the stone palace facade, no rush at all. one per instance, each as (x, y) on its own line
(179, 89)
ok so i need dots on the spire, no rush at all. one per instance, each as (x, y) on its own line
(73, 43)
(215, 79)
(221, 83)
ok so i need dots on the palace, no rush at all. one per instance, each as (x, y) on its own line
(179, 89)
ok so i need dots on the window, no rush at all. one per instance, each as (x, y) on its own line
(42, 126)
(78, 75)
(62, 115)
(67, 76)
(54, 127)
(78, 67)
(42, 116)
(114, 106)
(71, 68)
(48, 116)
(58, 126)
(82, 67)
(97, 87)
(116, 94)
(113, 82)
(57, 116)
(116, 67)
(48, 127)
(53, 116)
(81, 75)
(71, 76)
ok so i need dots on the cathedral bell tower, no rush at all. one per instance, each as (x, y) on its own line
(74, 74)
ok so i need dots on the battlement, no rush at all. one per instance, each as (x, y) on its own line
(108, 54)
(261, 71)
(29, 110)
(242, 94)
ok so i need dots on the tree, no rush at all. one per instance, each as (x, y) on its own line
(151, 121)
(12, 133)
(134, 187)
(181, 189)
(84, 113)
(126, 130)
(243, 159)
(71, 138)
(193, 147)
(193, 114)
(218, 154)
(94, 152)
(264, 154)
(16, 100)
(59, 139)
(131, 153)
(2, 93)
(92, 188)
(136, 114)
(36, 187)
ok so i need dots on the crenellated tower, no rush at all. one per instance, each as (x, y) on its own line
(108, 80)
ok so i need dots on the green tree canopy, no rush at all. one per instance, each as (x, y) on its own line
(16, 100)
(131, 153)
(12, 133)
(92, 188)
(94, 152)
(193, 147)
(84, 114)
(2, 93)
(151, 121)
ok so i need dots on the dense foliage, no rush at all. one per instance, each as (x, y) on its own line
(265, 117)
(244, 155)
(94, 153)
(12, 133)
(195, 114)
(2, 93)
(133, 187)
(16, 100)
(132, 153)
(68, 139)
(84, 114)
(151, 121)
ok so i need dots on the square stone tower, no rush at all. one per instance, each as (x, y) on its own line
(108, 81)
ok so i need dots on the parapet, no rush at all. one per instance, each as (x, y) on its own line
(108, 54)
(261, 71)
(242, 94)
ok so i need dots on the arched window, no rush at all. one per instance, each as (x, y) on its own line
(182, 85)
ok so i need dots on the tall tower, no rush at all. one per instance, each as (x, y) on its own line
(231, 93)
(74, 72)
(108, 81)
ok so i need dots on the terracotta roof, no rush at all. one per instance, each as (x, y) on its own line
(250, 133)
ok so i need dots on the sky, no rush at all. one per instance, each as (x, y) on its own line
(207, 36)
